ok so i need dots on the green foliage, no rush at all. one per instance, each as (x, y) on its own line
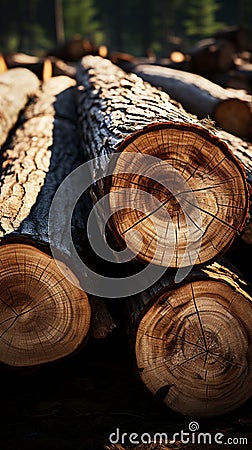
(80, 18)
(132, 26)
(201, 21)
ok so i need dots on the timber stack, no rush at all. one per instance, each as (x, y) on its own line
(178, 198)
(186, 352)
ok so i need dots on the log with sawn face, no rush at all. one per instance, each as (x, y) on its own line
(192, 341)
(44, 317)
(196, 188)
(231, 109)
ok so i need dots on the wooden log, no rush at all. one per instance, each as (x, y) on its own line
(229, 108)
(192, 341)
(239, 36)
(242, 149)
(16, 86)
(3, 66)
(73, 49)
(212, 55)
(41, 67)
(44, 317)
(102, 323)
(44, 68)
(232, 79)
(125, 61)
(176, 56)
(120, 113)
(60, 67)
(245, 71)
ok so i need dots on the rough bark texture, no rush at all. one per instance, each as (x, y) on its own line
(16, 86)
(233, 79)
(239, 36)
(44, 316)
(43, 151)
(120, 112)
(102, 323)
(73, 49)
(229, 108)
(193, 341)
(241, 148)
(243, 151)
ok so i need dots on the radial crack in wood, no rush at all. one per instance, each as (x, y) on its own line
(44, 317)
(196, 339)
(197, 202)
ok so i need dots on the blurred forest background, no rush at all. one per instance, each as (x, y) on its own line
(133, 26)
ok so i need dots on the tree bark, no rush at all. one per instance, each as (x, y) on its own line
(193, 341)
(243, 151)
(16, 86)
(41, 67)
(229, 108)
(3, 66)
(120, 113)
(44, 317)
(241, 148)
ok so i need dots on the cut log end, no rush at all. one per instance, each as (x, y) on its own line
(193, 348)
(44, 317)
(47, 70)
(234, 116)
(196, 203)
(3, 65)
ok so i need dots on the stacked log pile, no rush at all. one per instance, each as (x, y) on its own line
(43, 68)
(230, 109)
(187, 353)
(120, 112)
(178, 197)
